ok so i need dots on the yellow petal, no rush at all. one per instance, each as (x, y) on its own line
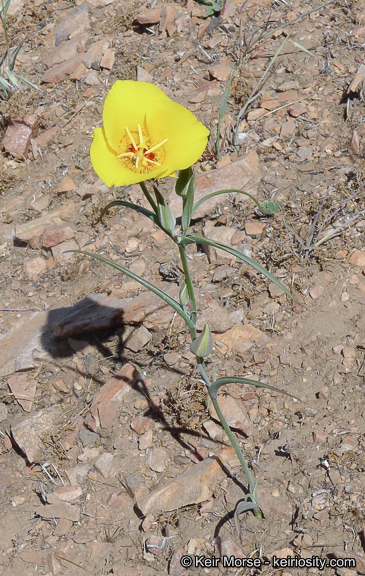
(126, 105)
(187, 137)
(109, 169)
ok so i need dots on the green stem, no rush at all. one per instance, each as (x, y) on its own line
(190, 287)
(148, 196)
(240, 457)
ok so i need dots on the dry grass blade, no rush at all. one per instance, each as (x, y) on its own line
(301, 17)
(222, 111)
(258, 88)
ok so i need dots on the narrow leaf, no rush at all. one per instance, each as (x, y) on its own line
(245, 507)
(202, 240)
(28, 82)
(5, 8)
(165, 297)
(228, 191)
(151, 215)
(214, 387)
(5, 84)
(14, 56)
(12, 78)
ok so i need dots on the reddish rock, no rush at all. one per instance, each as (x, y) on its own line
(108, 413)
(358, 79)
(61, 252)
(319, 437)
(217, 317)
(64, 494)
(157, 458)
(148, 17)
(254, 228)
(66, 51)
(138, 339)
(287, 130)
(79, 72)
(94, 54)
(194, 486)
(354, 144)
(146, 440)
(104, 463)
(19, 134)
(108, 59)
(255, 114)
(84, 535)
(297, 109)
(32, 556)
(24, 389)
(240, 339)
(232, 406)
(59, 72)
(167, 17)
(141, 424)
(316, 292)
(358, 258)
(34, 268)
(36, 227)
(77, 21)
(110, 395)
(56, 234)
(30, 431)
(274, 505)
(61, 510)
(275, 291)
(243, 174)
(279, 99)
(221, 71)
(42, 141)
(228, 547)
(63, 526)
(222, 234)
(66, 185)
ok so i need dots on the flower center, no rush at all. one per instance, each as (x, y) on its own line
(143, 157)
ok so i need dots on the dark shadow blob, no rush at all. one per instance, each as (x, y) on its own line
(89, 322)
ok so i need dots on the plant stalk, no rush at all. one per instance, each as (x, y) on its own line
(148, 196)
(190, 287)
(240, 457)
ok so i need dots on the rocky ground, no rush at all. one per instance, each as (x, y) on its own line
(111, 459)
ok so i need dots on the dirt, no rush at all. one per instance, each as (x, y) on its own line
(308, 454)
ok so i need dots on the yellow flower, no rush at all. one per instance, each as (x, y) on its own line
(145, 135)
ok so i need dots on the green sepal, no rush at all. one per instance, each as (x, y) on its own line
(203, 345)
(184, 294)
(165, 216)
(183, 182)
